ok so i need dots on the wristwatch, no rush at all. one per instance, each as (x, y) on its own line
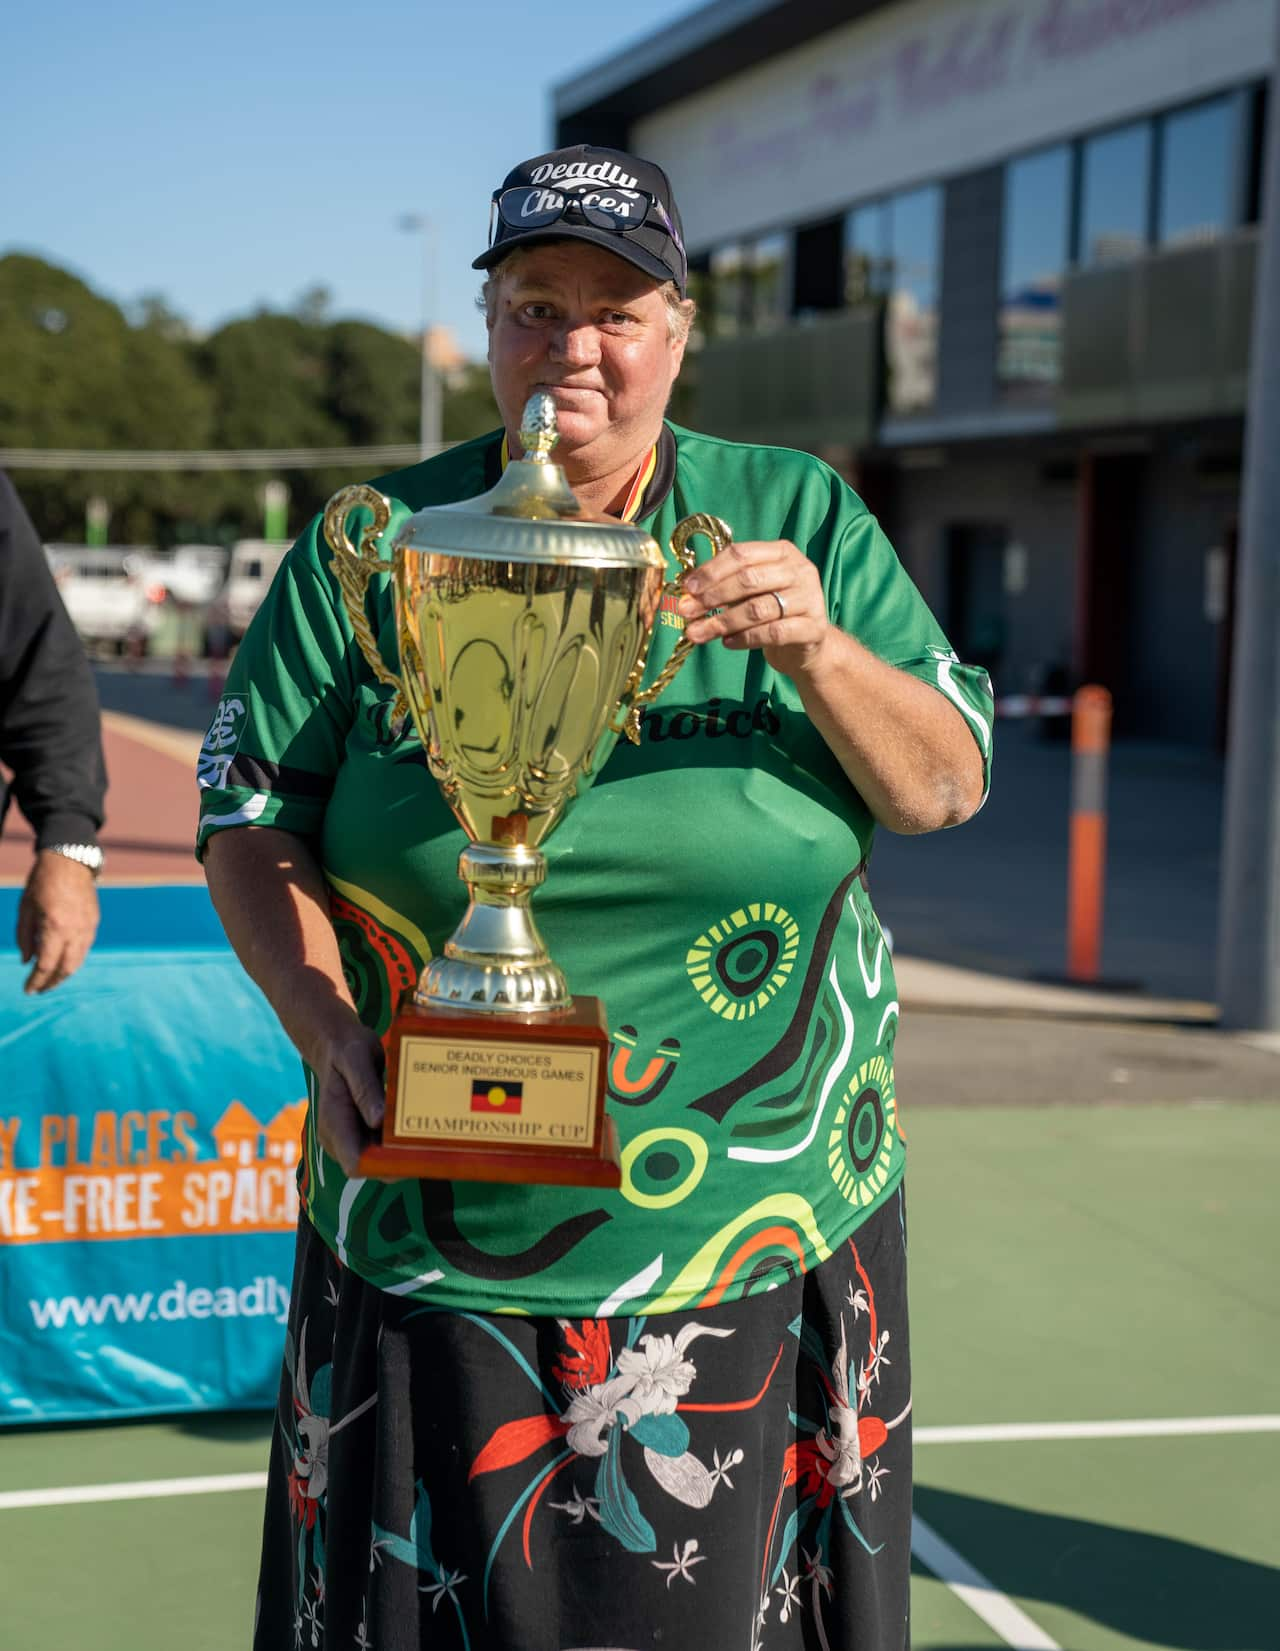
(85, 854)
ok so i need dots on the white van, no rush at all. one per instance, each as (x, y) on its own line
(110, 592)
(250, 572)
(192, 574)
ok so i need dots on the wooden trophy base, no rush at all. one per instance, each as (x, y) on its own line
(484, 1097)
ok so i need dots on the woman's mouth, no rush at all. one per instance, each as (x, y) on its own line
(563, 390)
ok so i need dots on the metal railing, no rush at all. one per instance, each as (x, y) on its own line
(1165, 336)
(802, 385)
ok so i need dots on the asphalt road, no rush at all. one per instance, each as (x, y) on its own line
(992, 894)
(995, 1059)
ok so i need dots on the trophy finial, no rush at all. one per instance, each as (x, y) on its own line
(538, 433)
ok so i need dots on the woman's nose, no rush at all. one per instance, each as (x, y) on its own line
(577, 346)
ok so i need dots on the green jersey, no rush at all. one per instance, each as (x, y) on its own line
(710, 887)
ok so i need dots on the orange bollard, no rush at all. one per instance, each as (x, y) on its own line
(1087, 857)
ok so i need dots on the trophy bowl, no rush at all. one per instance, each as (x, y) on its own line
(523, 626)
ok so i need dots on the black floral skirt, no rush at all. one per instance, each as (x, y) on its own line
(735, 1478)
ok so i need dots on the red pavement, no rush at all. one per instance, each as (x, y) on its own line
(151, 813)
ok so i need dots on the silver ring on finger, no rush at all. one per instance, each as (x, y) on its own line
(782, 606)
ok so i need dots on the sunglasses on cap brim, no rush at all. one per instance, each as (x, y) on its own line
(532, 206)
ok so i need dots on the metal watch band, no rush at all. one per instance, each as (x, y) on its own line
(85, 854)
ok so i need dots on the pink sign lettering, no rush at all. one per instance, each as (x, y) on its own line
(971, 60)
(1077, 28)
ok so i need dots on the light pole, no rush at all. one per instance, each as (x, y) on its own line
(414, 223)
(1249, 909)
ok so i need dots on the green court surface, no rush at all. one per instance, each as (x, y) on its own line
(1114, 1268)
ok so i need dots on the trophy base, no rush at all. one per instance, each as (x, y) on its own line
(559, 1169)
(486, 1097)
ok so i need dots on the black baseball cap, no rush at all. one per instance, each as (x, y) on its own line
(605, 196)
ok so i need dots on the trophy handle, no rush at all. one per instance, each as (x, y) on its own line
(353, 570)
(721, 537)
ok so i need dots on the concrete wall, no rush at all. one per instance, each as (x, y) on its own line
(1039, 515)
(1175, 646)
(1171, 647)
(973, 207)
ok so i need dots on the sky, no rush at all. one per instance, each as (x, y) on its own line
(231, 155)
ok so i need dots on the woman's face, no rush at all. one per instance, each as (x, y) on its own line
(591, 330)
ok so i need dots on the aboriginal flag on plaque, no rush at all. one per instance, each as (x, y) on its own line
(488, 1096)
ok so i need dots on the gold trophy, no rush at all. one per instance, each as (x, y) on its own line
(523, 624)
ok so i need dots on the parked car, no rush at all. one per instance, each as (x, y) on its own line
(251, 569)
(111, 593)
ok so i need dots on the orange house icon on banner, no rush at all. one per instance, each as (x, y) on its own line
(238, 1134)
(283, 1135)
(241, 1139)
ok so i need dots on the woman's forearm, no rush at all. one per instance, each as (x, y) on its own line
(271, 897)
(902, 744)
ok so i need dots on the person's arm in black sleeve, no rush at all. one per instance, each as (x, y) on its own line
(49, 727)
(50, 738)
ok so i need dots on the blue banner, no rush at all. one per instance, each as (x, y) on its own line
(150, 1119)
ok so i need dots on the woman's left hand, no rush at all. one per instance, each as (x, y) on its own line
(769, 596)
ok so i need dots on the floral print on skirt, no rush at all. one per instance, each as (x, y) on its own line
(732, 1478)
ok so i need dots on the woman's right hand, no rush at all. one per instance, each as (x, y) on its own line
(349, 1065)
(273, 900)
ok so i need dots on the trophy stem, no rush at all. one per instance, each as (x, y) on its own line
(496, 962)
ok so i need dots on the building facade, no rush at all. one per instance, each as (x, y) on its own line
(993, 259)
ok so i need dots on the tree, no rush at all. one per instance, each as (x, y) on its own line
(77, 375)
(268, 376)
(313, 305)
(469, 408)
(80, 372)
(152, 312)
(372, 383)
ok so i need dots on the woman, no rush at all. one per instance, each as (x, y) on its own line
(546, 1417)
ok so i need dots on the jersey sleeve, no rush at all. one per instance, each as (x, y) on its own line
(277, 735)
(870, 595)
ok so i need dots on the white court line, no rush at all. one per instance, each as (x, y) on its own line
(982, 1597)
(991, 1433)
(997, 1610)
(1170, 1427)
(131, 1490)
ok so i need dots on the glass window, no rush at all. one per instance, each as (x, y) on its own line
(1037, 195)
(769, 281)
(866, 252)
(911, 322)
(1195, 173)
(700, 290)
(746, 287)
(727, 289)
(1114, 181)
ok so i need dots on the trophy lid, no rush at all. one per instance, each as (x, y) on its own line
(532, 515)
